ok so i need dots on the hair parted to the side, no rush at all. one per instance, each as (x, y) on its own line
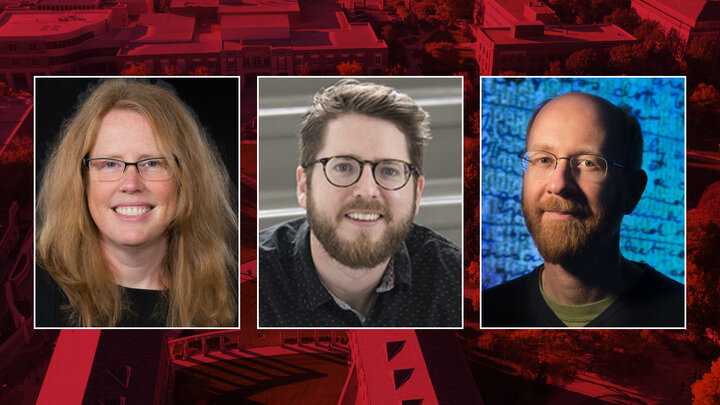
(349, 96)
(632, 133)
(200, 265)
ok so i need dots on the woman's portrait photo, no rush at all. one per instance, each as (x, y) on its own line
(136, 202)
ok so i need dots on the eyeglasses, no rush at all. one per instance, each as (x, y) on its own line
(106, 169)
(344, 171)
(541, 164)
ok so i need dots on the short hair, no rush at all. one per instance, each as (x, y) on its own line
(200, 264)
(632, 133)
(350, 96)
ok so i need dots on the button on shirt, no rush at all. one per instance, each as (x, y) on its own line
(420, 288)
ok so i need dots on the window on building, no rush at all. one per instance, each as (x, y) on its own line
(329, 59)
(360, 59)
(213, 63)
(15, 61)
(256, 61)
(281, 62)
(231, 63)
(35, 61)
(13, 47)
(315, 60)
(378, 59)
(33, 47)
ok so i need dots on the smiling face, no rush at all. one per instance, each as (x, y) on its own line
(361, 225)
(130, 211)
(565, 215)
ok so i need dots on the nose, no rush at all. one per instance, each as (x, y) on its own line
(366, 186)
(562, 181)
(131, 182)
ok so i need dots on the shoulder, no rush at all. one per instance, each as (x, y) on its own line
(513, 303)
(49, 298)
(425, 244)
(655, 300)
(509, 291)
(658, 289)
(281, 235)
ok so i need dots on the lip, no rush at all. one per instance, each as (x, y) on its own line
(132, 218)
(561, 215)
(361, 218)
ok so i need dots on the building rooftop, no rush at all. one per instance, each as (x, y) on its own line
(688, 11)
(67, 2)
(197, 43)
(194, 3)
(33, 23)
(259, 7)
(259, 21)
(560, 34)
(164, 27)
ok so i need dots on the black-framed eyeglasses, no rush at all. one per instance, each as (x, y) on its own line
(344, 171)
(107, 169)
(584, 166)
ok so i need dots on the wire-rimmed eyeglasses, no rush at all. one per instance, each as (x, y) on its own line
(585, 166)
(107, 169)
(344, 171)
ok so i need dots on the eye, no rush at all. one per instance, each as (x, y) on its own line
(151, 163)
(108, 164)
(342, 167)
(389, 171)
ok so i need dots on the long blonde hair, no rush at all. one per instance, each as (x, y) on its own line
(201, 261)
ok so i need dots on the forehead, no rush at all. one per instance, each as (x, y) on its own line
(122, 130)
(576, 123)
(364, 137)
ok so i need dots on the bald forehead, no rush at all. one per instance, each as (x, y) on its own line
(585, 106)
(584, 109)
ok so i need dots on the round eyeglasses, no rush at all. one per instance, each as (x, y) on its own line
(344, 171)
(542, 164)
(106, 169)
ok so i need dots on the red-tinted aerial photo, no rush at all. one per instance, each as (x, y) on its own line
(238, 363)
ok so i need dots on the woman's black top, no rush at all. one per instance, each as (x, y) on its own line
(147, 308)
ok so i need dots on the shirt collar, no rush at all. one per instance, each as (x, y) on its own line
(311, 292)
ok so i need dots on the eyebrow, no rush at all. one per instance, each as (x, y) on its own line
(583, 151)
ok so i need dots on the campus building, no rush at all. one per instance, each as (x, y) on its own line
(248, 38)
(36, 43)
(525, 36)
(683, 20)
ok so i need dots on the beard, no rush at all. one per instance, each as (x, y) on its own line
(361, 252)
(571, 240)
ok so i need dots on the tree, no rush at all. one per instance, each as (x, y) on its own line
(626, 19)
(555, 69)
(351, 68)
(705, 96)
(137, 69)
(444, 52)
(701, 48)
(388, 32)
(706, 391)
(171, 70)
(397, 70)
(582, 63)
(201, 70)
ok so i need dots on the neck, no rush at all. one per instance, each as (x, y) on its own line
(354, 286)
(595, 277)
(137, 266)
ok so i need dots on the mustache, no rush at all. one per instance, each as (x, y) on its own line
(365, 205)
(570, 206)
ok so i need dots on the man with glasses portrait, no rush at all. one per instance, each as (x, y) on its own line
(357, 259)
(581, 174)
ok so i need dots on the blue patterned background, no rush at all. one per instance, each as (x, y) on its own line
(654, 233)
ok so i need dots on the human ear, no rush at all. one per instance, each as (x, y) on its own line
(638, 181)
(301, 190)
(418, 193)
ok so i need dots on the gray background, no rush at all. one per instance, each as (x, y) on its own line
(281, 102)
